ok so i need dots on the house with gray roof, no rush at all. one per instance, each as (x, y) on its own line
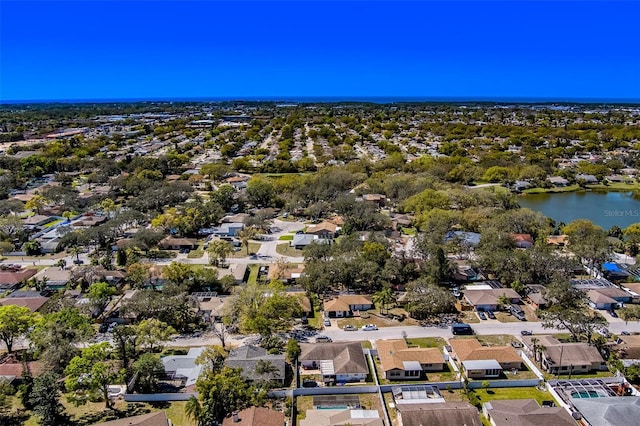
(250, 357)
(608, 411)
(184, 368)
(337, 362)
(438, 414)
(525, 412)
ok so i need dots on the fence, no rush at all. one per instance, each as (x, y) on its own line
(158, 397)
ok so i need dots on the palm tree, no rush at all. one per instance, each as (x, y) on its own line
(266, 371)
(384, 297)
(247, 234)
(75, 251)
(218, 251)
(193, 410)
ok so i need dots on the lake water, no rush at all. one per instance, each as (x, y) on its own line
(605, 209)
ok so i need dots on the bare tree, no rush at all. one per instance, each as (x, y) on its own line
(221, 332)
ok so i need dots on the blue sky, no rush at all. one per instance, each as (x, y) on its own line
(55, 50)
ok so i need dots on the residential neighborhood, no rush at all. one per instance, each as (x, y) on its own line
(327, 264)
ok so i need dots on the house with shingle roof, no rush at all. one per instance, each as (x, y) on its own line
(337, 362)
(158, 418)
(255, 416)
(341, 417)
(438, 414)
(558, 357)
(400, 362)
(345, 305)
(510, 412)
(470, 353)
(324, 230)
(487, 299)
(249, 357)
(12, 279)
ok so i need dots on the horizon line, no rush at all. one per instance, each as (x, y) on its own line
(335, 99)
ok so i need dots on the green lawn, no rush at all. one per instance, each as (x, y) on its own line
(570, 188)
(53, 223)
(286, 238)
(512, 393)
(469, 317)
(197, 253)
(427, 342)
(366, 344)
(286, 250)
(253, 248)
(253, 274)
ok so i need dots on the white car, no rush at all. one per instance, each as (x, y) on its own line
(369, 327)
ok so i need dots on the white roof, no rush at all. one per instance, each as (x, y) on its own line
(485, 364)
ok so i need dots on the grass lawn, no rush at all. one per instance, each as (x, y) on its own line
(286, 250)
(176, 414)
(197, 253)
(427, 342)
(253, 248)
(570, 188)
(615, 186)
(303, 403)
(285, 238)
(388, 400)
(492, 340)
(469, 317)
(53, 223)
(253, 273)
(594, 375)
(409, 231)
(512, 393)
(366, 344)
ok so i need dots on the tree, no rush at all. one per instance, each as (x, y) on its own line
(55, 336)
(218, 251)
(221, 331)
(569, 311)
(89, 375)
(632, 237)
(384, 297)
(148, 368)
(427, 300)
(588, 241)
(45, 399)
(124, 339)
(15, 322)
(292, 350)
(152, 332)
(213, 357)
(99, 294)
(193, 410)
(37, 202)
(223, 393)
(630, 313)
(32, 248)
(75, 251)
(137, 275)
(246, 235)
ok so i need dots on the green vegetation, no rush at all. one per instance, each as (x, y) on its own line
(287, 250)
(427, 342)
(512, 393)
(285, 238)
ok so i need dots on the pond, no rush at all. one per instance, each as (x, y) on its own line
(605, 209)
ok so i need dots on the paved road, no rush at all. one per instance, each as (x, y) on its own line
(512, 328)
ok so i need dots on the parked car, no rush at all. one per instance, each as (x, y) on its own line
(625, 333)
(323, 339)
(613, 313)
(526, 332)
(482, 315)
(305, 320)
(516, 344)
(603, 332)
(349, 327)
(309, 384)
(78, 261)
(491, 315)
(327, 322)
(369, 327)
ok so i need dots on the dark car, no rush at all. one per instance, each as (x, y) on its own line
(482, 315)
(491, 315)
(526, 333)
(613, 313)
(309, 384)
(625, 333)
(78, 261)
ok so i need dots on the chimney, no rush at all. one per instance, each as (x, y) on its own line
(236, 419)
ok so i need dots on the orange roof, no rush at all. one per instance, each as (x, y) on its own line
(472, 350)
(324, 226)
(393, 354)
